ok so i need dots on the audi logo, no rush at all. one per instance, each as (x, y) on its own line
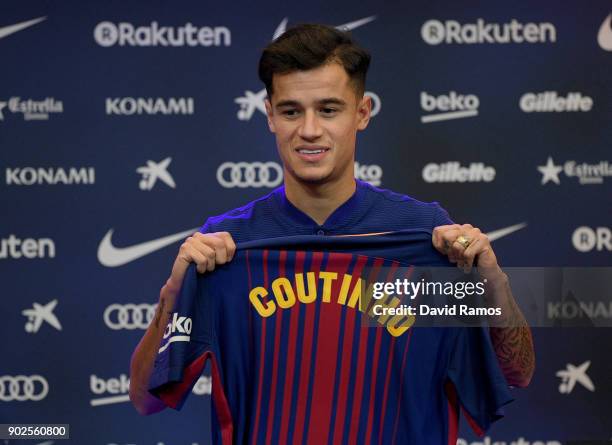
(249, 174)
(376, 103)
(129, 316)
(21, 388)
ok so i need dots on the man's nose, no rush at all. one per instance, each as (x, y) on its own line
(310, 128)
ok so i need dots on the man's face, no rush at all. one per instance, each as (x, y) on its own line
(315, 115)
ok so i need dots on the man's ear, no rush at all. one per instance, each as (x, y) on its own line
(269, 115)
(364, 112)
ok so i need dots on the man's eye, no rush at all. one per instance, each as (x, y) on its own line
(329, 110)
(290, 113)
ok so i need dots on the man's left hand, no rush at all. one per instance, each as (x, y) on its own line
(466, 246)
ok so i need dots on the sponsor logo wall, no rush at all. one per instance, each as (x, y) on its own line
(119, 133)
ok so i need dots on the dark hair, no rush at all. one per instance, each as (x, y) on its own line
(308, 46)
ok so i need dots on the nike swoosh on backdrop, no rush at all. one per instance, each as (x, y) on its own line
(357, 23)
(604, 36)
(8, 30)
(111, 256)
(500, 233)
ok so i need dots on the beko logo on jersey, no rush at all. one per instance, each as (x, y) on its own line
(586, 173)
(369, 173)
(435, 32)
(128, 316)
(129, 106)
(551, 101)
(520, 441)
(15, 248)
(178, 329)
(447, 107)
(126, 34)
(22, 388)
(586, 239)
(454, 172)
(32, 110)
(50, 176)
(249, 174)
(116, 390)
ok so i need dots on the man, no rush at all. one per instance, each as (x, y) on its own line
(315, 79)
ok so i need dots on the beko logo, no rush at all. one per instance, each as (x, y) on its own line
(22, 388)
(249, 174)
(178, 329)
(455, 172)
(32, 110)
(129, 106)
(129, 316)
(551, 101)
(446, 107)
(15, 248)
(435, 32)
(586, 239)
(369, 173)
(50, 176)
(116, 390)
(126, 34)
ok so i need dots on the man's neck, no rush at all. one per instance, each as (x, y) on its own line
(319, 201)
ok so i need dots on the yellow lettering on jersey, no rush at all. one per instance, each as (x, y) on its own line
(312, 287)
(283, 292)
(328, 278)
(256, 295)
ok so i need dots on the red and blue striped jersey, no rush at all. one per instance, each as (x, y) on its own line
(293, 363)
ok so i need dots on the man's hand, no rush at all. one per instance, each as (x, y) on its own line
(206, 250)
(446, 239)
(465, 244)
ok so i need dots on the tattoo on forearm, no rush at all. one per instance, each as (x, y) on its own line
(514, 345)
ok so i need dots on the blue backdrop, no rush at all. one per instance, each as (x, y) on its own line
(124, 122)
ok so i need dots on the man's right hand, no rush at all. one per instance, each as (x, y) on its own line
(206, 250)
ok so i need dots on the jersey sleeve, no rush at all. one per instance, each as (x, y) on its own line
(441, 217)
(479, 383)
(185, 346)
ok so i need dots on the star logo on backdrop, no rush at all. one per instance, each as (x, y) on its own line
(550, 172)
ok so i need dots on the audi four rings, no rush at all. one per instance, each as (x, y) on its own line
(129, 316)
(249, 174)
(21, 388)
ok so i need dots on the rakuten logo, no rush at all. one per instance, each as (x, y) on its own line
(116, 390)
(15, 248)
(50, 176)
(435, 32)
(586, 239)
(446, 107)
(128, 106)
(520, 441)
(126, 34)
(454, 172)
(369, 173)
(551, 101)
